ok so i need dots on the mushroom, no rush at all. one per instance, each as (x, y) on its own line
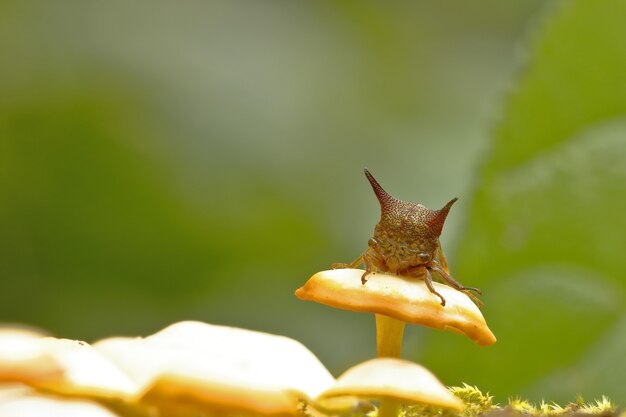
(86, 372)
(397, 300)
(391, 381)
(221, 370)
(21, 401)
(193, 368)
(187, 369)
(397, 283)
(406, 245)
(63, 367)
(24, 357)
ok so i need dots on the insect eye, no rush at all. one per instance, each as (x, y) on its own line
(424, 256)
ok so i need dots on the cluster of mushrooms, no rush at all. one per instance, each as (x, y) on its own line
(197, 369)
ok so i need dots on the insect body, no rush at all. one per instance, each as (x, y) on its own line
(406, 242)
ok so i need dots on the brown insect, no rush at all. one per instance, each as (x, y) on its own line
(406, 242)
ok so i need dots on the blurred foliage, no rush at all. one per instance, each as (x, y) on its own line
(161, 162)
(545, 237)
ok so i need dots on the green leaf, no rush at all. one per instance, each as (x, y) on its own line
(545, 237)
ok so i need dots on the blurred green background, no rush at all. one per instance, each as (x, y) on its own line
(162, 161)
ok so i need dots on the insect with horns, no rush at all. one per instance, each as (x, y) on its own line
(406, 243)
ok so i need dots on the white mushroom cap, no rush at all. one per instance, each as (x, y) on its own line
(60, 365)
(220, 368)
(86, 372)
(406, 299)
(24, 357)
(21, 402)
(391, 378)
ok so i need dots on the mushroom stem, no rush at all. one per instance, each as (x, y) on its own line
(388, 408)
(389, 332)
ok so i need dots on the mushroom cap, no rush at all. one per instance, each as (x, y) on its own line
(219, 369)
(187, 368)
(391, 378)
(24, 357)
(60, 366)
(406, 299)
(86, 372)
(21, 401)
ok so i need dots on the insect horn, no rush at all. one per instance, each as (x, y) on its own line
(384, 198)
(440, 216)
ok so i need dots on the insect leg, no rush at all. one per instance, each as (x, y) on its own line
(453, 282)
(367, 260)
(370, 258)
(373, 260)
(457, 285)
(429, 283)
(354, 264)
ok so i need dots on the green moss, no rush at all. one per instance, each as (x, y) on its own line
(601, 406)
(478, 404)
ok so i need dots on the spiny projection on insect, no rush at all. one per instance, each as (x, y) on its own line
(406, 242)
